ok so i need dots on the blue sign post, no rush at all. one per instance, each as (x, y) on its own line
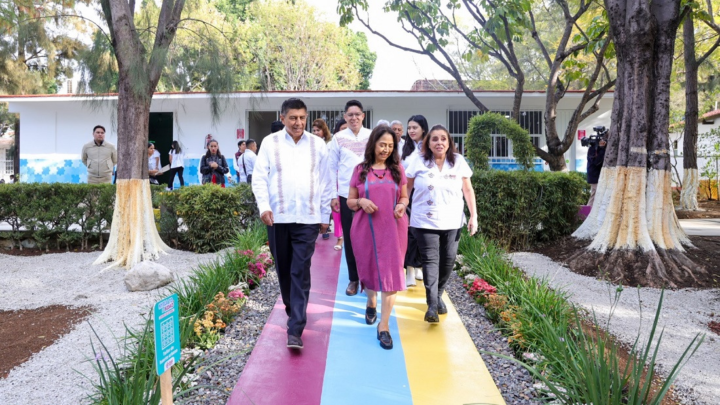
(167, 343)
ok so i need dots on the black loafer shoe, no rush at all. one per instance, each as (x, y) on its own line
(294, 342)
(432, 316)
(385, 339)
(441, 309)
(370, 315)
(352, 288)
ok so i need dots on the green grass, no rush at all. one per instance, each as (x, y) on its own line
(577, 367)
(130, 379)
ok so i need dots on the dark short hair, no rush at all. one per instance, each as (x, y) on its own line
(353, 103)
(276, 126)
(99, 126)
(241, 142)
(428, 154)
(292, 104)
(250, 142)
(338, 124)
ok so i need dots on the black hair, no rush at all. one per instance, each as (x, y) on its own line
(409, 146)
(150, 144)
(208, 153)
(176, 147)
(292, 104)
(392, 162)
(250, 142)
(338, 124)
(449, 155)
(353, 103)
(99, 126)
(241, 142)
(276, 126)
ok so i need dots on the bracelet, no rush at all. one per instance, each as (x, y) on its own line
(357, 203)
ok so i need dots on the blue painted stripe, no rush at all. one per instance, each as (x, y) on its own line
(358, 370)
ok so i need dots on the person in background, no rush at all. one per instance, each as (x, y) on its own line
(177, 164)
(398, 129)
(378, 195)
(247, 160)
(346, 151)
(276, 126)
(320, 128)
(242, 145)
(213, 165)
(417, 131)
(293, 192)
(153, 164)
(382, 122)
(595, 161)
(340, 125)
(99, 157)
(440, 179)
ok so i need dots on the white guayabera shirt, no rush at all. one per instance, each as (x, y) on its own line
(292, 180)
(346, 151)
(438, 195)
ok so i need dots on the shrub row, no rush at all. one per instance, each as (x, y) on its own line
(520, 208)
(57, 215)
(577, 362)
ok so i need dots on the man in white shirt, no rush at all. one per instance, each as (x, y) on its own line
(293, 190)
(247, 160)
(236, 161)
(347, 150)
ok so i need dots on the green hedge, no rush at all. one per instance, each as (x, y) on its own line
(63, 215)
(520, 208)
(203, 218)
(479, 140)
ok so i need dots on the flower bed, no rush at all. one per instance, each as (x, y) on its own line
(572, 357)
(208, 301)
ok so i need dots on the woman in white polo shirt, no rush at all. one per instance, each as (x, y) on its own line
(440, 178)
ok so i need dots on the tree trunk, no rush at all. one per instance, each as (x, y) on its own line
(634, 230)
(691, 180)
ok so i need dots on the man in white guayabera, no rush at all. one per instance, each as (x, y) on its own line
(346, 151)
(293, 192)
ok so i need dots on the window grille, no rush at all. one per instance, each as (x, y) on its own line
(331, 117)
(531, 121)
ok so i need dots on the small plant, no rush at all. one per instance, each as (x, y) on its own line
(480, 290)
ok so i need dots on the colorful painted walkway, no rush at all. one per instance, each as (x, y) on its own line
(343, 363)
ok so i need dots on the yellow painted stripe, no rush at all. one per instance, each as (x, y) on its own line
(443, 364)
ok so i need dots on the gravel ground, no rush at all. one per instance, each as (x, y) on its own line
(685, 313)
(55, 375)
(223, 364)
(515, 383)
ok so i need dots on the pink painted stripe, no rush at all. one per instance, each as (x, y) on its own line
(276, 375)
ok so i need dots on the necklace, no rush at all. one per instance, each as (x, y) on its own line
(378, 175)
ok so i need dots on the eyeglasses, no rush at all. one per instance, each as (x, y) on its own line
(354, 115)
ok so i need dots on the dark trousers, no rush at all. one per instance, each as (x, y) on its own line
(438, 250)
(179, 171)
(412, 254)
(346, 217)
(292, 246)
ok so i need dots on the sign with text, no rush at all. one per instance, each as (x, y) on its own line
(167, 333)
(581, 134)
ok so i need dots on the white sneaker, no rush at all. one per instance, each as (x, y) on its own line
(418, 274)
(410, 277)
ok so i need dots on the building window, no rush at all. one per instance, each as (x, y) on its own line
(69, 86)
(531, 121)
(331, 117)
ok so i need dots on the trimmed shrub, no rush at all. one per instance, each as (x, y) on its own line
(520, 208)
(479, 140)
(205, 217)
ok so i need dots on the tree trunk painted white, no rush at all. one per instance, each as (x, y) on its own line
(133, 236)
(691, 184)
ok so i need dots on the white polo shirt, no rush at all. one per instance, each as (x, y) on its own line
(438, 196)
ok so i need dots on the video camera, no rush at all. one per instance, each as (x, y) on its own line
(595, 138)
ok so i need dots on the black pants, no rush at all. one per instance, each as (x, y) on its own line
(346, 217)
(292, 246)
(412, 254)
(179, 171)
(438, 250)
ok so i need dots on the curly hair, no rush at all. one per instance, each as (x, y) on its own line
(392, 162)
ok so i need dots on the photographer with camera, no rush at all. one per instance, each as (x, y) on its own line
(595, 158)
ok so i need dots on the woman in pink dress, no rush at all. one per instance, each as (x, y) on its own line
(378, 195)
